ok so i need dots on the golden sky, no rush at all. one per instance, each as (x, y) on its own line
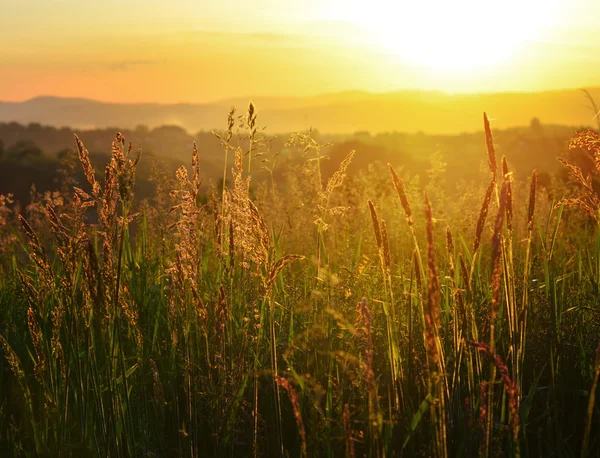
(197, 51)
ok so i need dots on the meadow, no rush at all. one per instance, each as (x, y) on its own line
(328, 315)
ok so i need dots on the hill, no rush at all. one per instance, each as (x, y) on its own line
(430, 112)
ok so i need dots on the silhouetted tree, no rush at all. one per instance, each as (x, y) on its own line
(536, 126)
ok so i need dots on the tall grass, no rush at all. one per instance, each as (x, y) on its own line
(300, 320)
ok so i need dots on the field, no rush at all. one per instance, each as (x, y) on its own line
(342, 315)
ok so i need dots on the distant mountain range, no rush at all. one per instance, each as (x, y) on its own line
(347, 112)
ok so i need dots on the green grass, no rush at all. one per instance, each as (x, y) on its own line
(231, 322)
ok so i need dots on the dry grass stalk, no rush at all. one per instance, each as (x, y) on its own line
(94, 277)
(252, 236)
(457, 291)
(432, 316)
(363, 331)
(295, 401)
(7, 236)
(196, 181)
(222, 314)
(348, 433)
(218, 224)
(38, 253)
(587, 199)
(277, 268)
(531, 205)
(432, 323)
(231, 247)
(509, 196)
(159, 395)
(399, 186)
(389, 308)
(489, 141)
(462, 310)
(483, 415)
(450, 250)
(131, 313)
(590, 141)
(483, 215)
(417, 272)
(386, 247)
(261, 249)
(591, 403)
(46, 275)
(376, 228)
(185, 270)
(464, 270)
(124, 167)
(16, 367)
(13, 360)
(337, 179)
(36, 339)
(88, 169)
(58, 315)
(509, 386)
(497, 257)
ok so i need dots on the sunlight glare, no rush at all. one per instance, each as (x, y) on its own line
(456, 35)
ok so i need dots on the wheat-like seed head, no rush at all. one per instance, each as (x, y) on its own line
(36, 339)
(13, 360)
(88, 169)
(590, 141)
(376, 228)
(399, 186)
(489, 141)
(509, 385)
(337, 179)
(587, 199)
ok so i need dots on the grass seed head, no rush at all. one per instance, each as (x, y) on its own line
(376, 228)
(399, 186)
(489, 141)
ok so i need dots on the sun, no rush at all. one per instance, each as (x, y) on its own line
(451, 35)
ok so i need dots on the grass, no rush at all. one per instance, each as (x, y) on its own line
(327, 317)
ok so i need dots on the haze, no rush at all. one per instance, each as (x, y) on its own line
(196, 51)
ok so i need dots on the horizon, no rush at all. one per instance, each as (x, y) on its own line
(318, 95)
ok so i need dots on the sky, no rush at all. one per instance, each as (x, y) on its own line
(197, 51)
